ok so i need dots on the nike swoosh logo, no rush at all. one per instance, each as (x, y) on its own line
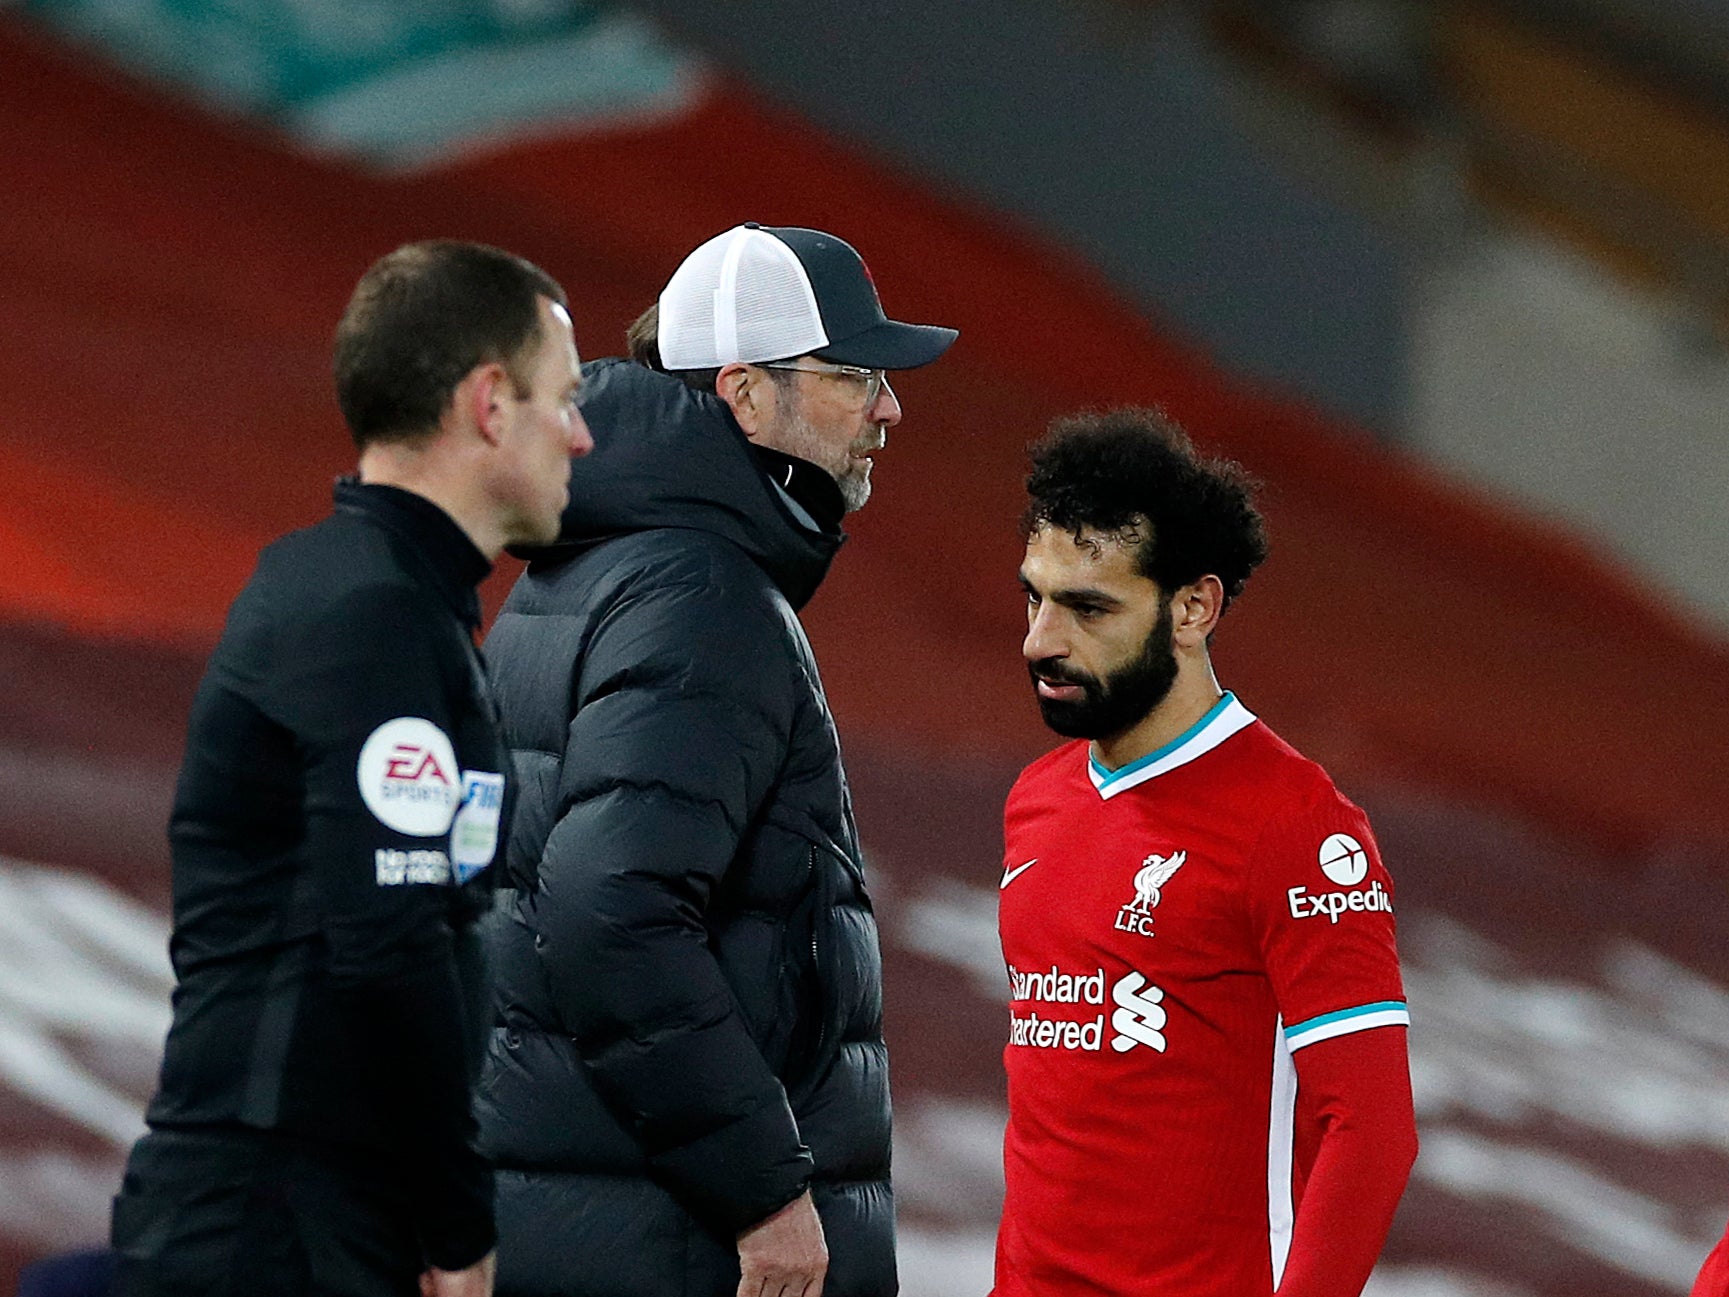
(1009, 875)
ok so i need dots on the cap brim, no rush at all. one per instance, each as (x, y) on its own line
(891, 345)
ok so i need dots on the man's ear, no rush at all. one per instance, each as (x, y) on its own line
(481, 397)
(1195, 611)
(748, 394)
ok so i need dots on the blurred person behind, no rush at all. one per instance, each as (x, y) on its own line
(1208, 1085)
(342, 798)
(687, 1091)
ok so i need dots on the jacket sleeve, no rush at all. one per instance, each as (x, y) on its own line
(363, 689)
(683, 711)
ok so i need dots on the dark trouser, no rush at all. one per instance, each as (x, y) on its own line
(245, 1214)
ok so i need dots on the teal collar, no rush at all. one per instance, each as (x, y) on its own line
(1222, 720)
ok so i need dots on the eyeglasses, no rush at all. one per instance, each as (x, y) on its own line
(874, 380)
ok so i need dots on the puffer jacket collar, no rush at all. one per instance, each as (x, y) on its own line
(668, 456)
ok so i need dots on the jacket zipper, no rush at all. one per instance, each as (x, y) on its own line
(816, 961)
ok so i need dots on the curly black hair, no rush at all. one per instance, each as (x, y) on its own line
(1127, 469)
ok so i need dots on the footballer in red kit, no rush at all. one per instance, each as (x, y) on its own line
(1208, 1087)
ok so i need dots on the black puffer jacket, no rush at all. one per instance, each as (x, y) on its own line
(689, 980)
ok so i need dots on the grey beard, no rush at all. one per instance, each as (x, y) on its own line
(855, 486)
(796, 437)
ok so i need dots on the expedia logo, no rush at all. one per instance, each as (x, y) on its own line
(1333, 904)
(1343, 860)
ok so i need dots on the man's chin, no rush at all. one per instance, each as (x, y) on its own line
(855, 490)
(1071, 720)
(537, 531)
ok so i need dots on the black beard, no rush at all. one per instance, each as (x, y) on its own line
(1121, 700)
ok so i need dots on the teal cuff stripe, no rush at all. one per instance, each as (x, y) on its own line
(1111, 776)
(1380, 1006)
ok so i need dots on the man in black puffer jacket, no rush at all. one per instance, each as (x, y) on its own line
(687, 1091)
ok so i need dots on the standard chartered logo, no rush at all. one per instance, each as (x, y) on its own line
(1138, 1019)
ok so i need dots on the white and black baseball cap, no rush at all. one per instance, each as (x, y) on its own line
(771, 292)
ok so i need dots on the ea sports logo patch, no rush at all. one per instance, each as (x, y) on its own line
(1343, 860)
(409, 778)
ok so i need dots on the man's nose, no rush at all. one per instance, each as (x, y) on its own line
(1043, 640)
(886, 409)
(581, 439)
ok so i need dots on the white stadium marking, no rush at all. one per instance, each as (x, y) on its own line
(84, 986)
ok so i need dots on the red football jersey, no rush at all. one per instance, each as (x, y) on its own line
(1173, 931)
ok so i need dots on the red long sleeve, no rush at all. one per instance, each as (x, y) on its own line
(1358, 1087)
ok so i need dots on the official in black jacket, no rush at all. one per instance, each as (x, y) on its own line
(342, 798)
(687, 1091)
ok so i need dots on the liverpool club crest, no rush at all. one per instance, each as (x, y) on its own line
(1154, 873)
